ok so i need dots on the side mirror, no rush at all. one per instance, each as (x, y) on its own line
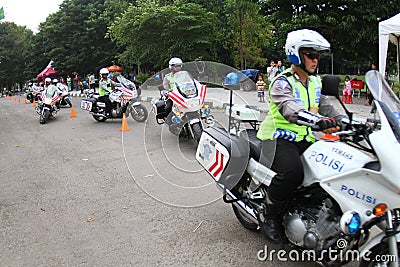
(330, 85)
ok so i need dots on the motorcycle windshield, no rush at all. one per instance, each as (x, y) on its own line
(387, 99)
(125, 82)
(185, 84)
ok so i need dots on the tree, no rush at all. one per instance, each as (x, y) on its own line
(151, 33)
(74, 37)
(14, 53)
(351, 26)
(247, 32)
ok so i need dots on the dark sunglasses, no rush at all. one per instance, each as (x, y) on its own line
(311, 56)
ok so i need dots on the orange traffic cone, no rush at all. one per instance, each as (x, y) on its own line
(330, 137)
(25, 102)
(19, 99)
(34, 104)
(125, 126)
(15, 99)
(73, 114)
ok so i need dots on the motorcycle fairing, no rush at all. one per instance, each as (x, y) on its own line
(115, 95)
(360, 190)
(180, 94)
(325, 159)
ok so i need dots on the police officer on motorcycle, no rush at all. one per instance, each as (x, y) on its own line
(175, 65)
(51, 89)
(106, 86)
(297, 108)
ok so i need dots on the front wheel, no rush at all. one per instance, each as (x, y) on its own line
(246, 222)
(139, 113)
(44, 116)
(379, 256)
(197, 130)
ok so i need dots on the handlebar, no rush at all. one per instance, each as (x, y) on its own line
(343, 133)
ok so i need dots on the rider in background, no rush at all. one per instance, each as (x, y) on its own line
(287, 131)
(175, 65)
(106, 86)
(51, 89)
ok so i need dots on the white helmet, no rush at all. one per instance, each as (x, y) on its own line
(104, 71)
(47, 80)
(175, 61)
(303, 38)
(55, 80)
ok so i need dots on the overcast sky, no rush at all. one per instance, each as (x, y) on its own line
(29, 12)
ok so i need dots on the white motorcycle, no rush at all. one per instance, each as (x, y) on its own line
(350, 185)
(124, 99)
(188, 109)
(47, 105)
(65, 96)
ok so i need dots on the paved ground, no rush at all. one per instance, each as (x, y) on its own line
(76, 192)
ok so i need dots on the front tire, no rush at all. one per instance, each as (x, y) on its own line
(44, 116)
(197, 130)
(139, 113)
(246, 222)
(379, 252)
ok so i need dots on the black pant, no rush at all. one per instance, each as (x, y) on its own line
(168, 106)
(370, 98)
(283, 157)
(107, 101)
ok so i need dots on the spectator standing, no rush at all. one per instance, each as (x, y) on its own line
(76, 81)
(280, 67)
(69, 82)
(260, 87)
(271, 71)
(347, 91)
(92, 81)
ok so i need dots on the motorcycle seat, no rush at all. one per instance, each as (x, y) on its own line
(250, 135)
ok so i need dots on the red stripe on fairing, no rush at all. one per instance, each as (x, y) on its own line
(176, 99)
(221, 165)
(203, 93)
(215, 164)
(126, 91)
(54, 99)
(177, 96)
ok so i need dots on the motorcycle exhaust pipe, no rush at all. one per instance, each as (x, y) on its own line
(245, 209)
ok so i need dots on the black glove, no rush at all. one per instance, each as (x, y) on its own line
(326, 123)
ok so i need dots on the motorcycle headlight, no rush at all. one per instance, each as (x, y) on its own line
(350, 222)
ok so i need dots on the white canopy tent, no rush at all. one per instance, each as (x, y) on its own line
(389, 30)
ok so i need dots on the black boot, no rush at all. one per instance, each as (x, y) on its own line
(272, 226)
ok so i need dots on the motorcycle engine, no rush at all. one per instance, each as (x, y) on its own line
(312, 227)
